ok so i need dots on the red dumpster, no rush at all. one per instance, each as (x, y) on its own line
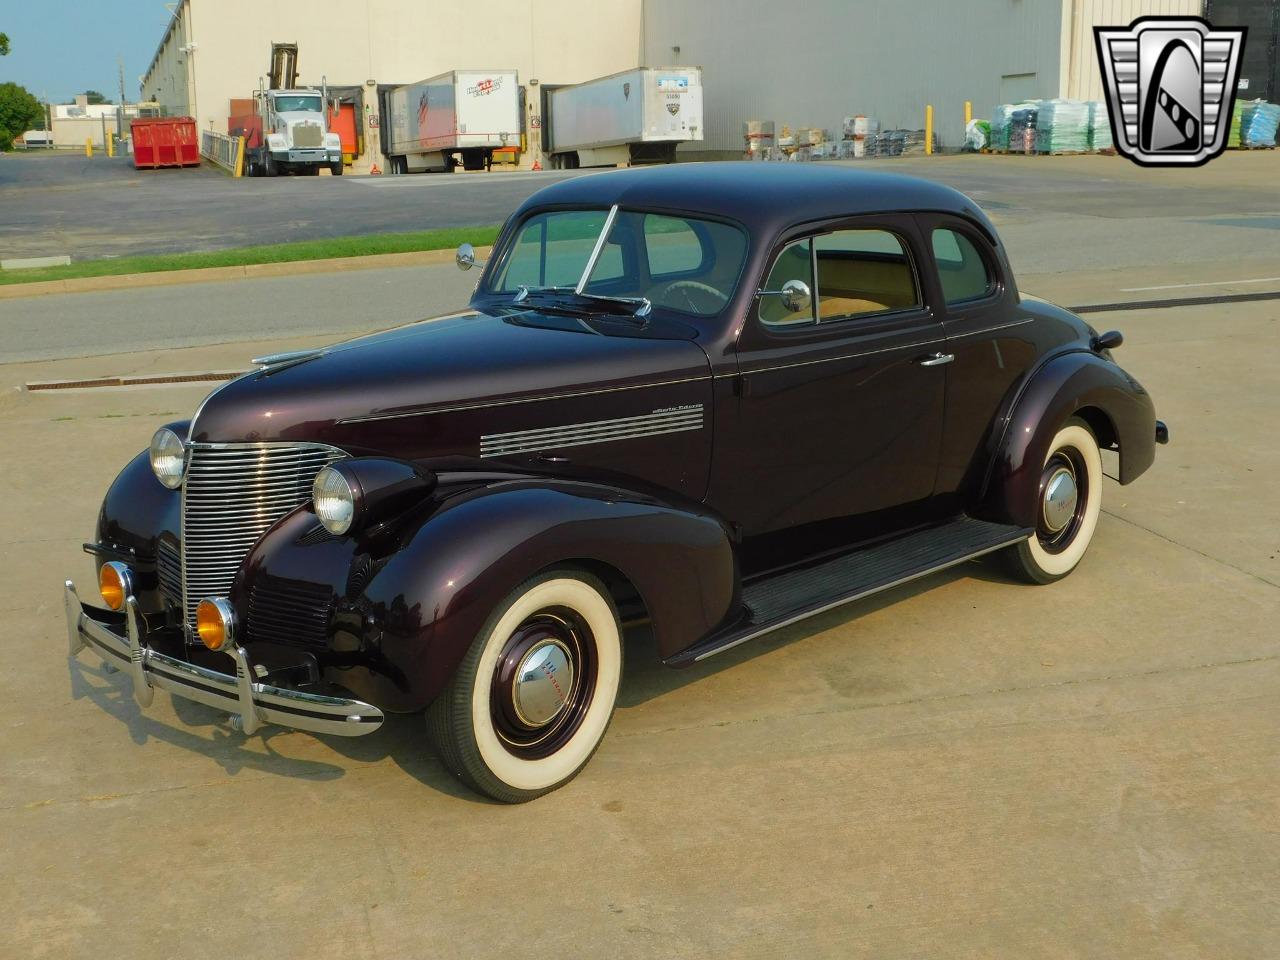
(164, 142)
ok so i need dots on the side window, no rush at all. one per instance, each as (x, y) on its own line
(795, 262)
(672, 246)
(863, 272)
(961, 268)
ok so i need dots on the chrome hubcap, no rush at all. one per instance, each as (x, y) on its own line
(543, 683)
(1060, 496)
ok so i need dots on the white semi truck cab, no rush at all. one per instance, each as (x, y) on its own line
(295, 135)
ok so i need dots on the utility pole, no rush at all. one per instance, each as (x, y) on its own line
(120, 112)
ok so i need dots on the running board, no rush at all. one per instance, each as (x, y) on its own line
(786, 598)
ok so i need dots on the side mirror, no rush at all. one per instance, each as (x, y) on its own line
(796, 296)
(465, 258)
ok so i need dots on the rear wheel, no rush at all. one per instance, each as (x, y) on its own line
(1069, 502)
(531, 701)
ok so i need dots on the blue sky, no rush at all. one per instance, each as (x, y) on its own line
(63, 47)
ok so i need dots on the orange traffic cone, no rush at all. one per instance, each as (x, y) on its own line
(375, 172)
(537, 165)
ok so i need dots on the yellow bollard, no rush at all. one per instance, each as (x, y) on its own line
(239, 169)
(968, 113)
(111, 147)
(88, 146)
(928, 128)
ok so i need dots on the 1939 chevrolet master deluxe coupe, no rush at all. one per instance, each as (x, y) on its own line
(716, 397)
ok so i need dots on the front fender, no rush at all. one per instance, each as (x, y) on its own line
(435, 592)
(1075, 383)
(136, 510)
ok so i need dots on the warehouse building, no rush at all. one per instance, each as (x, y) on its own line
(216, 51)
(813, 62)
(806, 63)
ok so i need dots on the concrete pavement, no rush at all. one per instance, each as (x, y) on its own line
(962, 768)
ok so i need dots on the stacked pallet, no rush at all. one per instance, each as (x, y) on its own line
(1099, 127)
(1258, 123)
(1062, 126)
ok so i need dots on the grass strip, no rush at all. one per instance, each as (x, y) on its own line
(365, 246)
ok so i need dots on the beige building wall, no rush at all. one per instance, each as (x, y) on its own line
(1081, 79)
(351, 42)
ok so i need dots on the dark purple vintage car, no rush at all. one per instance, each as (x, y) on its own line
(716, 398)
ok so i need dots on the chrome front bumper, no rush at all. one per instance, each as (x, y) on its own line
(250, 704)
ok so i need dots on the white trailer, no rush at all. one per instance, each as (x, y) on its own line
(637, 116)
(460, 116)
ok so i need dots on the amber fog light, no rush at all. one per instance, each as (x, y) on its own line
(215, 623)
(115, 583)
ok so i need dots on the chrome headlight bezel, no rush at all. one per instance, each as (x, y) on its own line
(334, 499)
(168, 456)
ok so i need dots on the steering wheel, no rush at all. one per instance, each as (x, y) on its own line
(699, 297)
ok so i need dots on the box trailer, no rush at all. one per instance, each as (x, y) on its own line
(637, 116)
(460, 117)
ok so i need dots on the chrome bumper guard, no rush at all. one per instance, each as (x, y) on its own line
(250, 704)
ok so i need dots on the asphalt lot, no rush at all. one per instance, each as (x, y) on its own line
(962, 768)
(95, 207)
(965, 767)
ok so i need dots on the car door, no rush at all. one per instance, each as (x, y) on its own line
(837, 410)
(989, 336)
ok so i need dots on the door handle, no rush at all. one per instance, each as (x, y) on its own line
(937, 359)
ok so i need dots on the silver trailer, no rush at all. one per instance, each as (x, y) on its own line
(458, 117)
(637, 116)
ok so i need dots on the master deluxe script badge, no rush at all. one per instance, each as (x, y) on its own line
(1171, 85)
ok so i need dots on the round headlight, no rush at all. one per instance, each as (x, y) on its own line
(168, 458)
(334, 501)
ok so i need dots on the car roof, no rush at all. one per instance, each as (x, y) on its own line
(762, 196)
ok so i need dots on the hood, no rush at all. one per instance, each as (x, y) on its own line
(386, 393)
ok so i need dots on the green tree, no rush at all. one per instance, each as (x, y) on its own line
(94, 96)
(19, 112)
(4, 44)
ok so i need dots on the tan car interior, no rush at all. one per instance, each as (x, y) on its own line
(850, 283)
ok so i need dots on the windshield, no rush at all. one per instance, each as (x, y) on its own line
(298, 104)
(677, 263)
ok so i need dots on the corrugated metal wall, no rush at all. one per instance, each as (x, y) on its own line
(813, 62)
(1083, 80)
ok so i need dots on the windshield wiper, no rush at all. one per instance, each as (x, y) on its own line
(567, 298)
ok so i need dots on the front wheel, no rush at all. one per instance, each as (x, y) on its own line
(1069, 501)
(531, 701)
(335, 169)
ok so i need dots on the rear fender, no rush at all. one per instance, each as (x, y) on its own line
(1072, 384)
(448, 574)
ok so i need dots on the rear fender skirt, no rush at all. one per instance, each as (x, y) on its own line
(434, 593)
(1063, 386)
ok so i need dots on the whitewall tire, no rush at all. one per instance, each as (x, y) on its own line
(1067, 507)
(531, 701)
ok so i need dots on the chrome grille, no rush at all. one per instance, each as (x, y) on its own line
(308, 135)
(232, 494)
(169, 571)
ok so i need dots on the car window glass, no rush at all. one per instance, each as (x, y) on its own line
(961, 268)
(793, 263)
(863, 272)
(672, 246)
(552, 250)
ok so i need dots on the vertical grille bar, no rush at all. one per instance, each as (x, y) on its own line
(231, 495)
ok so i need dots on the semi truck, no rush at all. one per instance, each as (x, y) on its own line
(637, 116)
(457, 118)
(287, 132)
